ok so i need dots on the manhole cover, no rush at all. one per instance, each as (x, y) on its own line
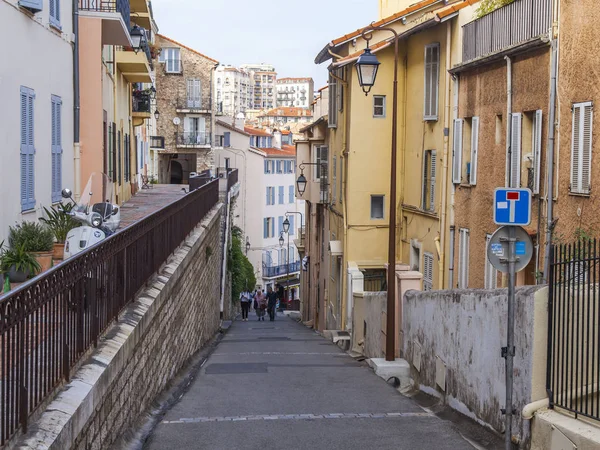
(236, 368)
(274, 338)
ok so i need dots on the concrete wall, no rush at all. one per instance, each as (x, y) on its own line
(39, 57)
(369, 316)
(155, 336)
(453, 340)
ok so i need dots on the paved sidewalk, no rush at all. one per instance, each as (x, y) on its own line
(278, 385)
(148, 201)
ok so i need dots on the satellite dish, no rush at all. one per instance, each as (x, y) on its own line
(176, 120)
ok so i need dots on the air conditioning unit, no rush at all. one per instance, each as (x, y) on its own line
(221, 175)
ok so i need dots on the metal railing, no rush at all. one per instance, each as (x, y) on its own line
(232, 178)
(48, 324)
(507, 26)
(203, 103)
(120, 6)
(275, 271)
(157, 142)
(141, 102)
(193, 138)
(573, 364)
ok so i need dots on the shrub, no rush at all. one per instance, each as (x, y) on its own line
(59, 220)
(31, 237)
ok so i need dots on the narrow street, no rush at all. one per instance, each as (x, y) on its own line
(278, 385)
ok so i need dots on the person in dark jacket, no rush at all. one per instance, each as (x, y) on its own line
(281, 297)
(272, 303)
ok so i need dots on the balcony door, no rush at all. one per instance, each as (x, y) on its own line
(193, 93)
(194, 128)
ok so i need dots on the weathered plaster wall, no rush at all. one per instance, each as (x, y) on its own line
(168, 323)
(368, 317)
(482, 93)
(466, 330)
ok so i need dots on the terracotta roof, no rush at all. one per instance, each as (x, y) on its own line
(286, 132)
(294, 79)
(256, 131)
(288, 111)
(232, 127)
(286, 150)
(324, 87)
(162, 36)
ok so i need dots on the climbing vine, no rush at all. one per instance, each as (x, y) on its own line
(488, 6)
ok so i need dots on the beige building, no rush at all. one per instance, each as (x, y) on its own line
(184, 98)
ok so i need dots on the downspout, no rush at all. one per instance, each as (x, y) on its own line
(349, 303)
(225, 246)
(212, 111)
(442, 240)
(550, 156)
(76, 102)
(509, 119)
(453, 192)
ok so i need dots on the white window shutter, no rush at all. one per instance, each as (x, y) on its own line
(474, 149)
(537, 151)
(586, 149)
(576, 151)
(433, 165)
(457, 153)
(515, 156)
(427, 271)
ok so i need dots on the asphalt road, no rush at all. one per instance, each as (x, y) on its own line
(278, 385)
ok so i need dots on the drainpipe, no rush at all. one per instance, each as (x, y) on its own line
(225, 247)
(455, 88)
(550, 157)
(509, 118)
(442, 236)
(76, 102)
(212, 112)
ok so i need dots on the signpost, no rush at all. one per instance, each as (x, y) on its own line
(510, 249)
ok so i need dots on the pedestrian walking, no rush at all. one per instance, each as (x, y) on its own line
(271, 303)
(261, 305)
(245, 301)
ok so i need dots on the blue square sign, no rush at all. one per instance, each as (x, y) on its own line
(512, 206)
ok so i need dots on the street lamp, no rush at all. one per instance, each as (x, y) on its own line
(301, 221)
(301, 181)
(286, 225)
(247, 246)
(366, 67)
(156, 114)
(137, 36)
(281, 240)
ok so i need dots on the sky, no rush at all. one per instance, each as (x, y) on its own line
(287, 34)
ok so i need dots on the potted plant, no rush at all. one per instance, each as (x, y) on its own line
(60, 223)
(18, 264)
(34, 238)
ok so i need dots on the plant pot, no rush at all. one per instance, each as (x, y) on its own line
(44, 259)
(16, 276)
(58, 252)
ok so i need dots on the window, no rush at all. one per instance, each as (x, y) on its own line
(267, 166)
(334, 186)
(55, 13)
(536, 144)
(474, 151)
(292, 194)
(56, 105)
(333, 95)
(119, 163)
(581, 148)
(513, 159)
(282, 256)
(280, 225)
(292, 227)
(427, 271)
(172, 60)
(429, 169)
(379, 106)
(270, 195)
(281, 195)
(269, 227)
(491, 274)
(194, 93)
(376, 206)
(320, 157)
(432, 72)
(463, 258)
(27, 150)
(227, 139)
(457, 149)
(279, 166)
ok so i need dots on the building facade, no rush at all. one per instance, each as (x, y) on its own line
(285, 116)
(184, 80)
(234, 90)
(37, 114)
(264, 79)
(297, 92)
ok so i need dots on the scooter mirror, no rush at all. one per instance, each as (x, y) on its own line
(115, 211)
(66, 193)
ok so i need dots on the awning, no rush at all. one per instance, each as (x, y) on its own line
(336, 248)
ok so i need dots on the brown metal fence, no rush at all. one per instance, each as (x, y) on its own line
(49, 323)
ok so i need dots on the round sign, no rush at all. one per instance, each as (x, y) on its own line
(497, 249)
(176, 120)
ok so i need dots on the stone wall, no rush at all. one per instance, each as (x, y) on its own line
(453, 341)
(168, 323)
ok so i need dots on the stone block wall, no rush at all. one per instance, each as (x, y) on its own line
(167, 324)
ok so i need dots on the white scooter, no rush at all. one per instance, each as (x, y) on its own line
(96, 212)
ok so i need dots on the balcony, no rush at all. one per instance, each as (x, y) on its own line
(281, 270)
(193, 139)
(141, 105)
(115, 16)
(136, 67)
(157, 142)
(506, 28)
(194, 105)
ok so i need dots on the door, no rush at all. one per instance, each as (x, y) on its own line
(194, 130)
(193, 93)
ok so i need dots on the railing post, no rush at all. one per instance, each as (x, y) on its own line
(550, 343)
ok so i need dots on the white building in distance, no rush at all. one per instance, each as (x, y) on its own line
(297, 92)
(234, 90)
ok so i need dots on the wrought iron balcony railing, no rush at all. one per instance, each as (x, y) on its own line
(141, 102)
(193, 139)
(119, 6)
(276, 271)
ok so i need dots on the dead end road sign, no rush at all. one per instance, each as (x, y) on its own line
(512, 206)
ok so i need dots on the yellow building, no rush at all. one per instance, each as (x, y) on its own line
(359, 145)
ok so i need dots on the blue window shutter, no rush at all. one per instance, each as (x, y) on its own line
(292, 194)
(273, 226)
(280, 224)
(227, 139)
(292, 232)
(266, 166)
(273, 195)
(56, 149)
(281, 195)
(268, 194)
(27, 149)
(55, 13)
(33, 5)
(266, 228)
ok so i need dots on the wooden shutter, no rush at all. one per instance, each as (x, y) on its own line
(474, 149)
(56, 149)
(27, 150)
(457, 153)
(586, 149)
(515, 148)
(463, 254)
(433, 169)
(432, 68)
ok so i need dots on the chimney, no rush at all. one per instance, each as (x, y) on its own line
(277, 139)
(240, 120)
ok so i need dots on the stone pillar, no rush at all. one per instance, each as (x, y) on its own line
(407, 280)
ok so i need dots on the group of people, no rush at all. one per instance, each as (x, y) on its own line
(262, 303)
